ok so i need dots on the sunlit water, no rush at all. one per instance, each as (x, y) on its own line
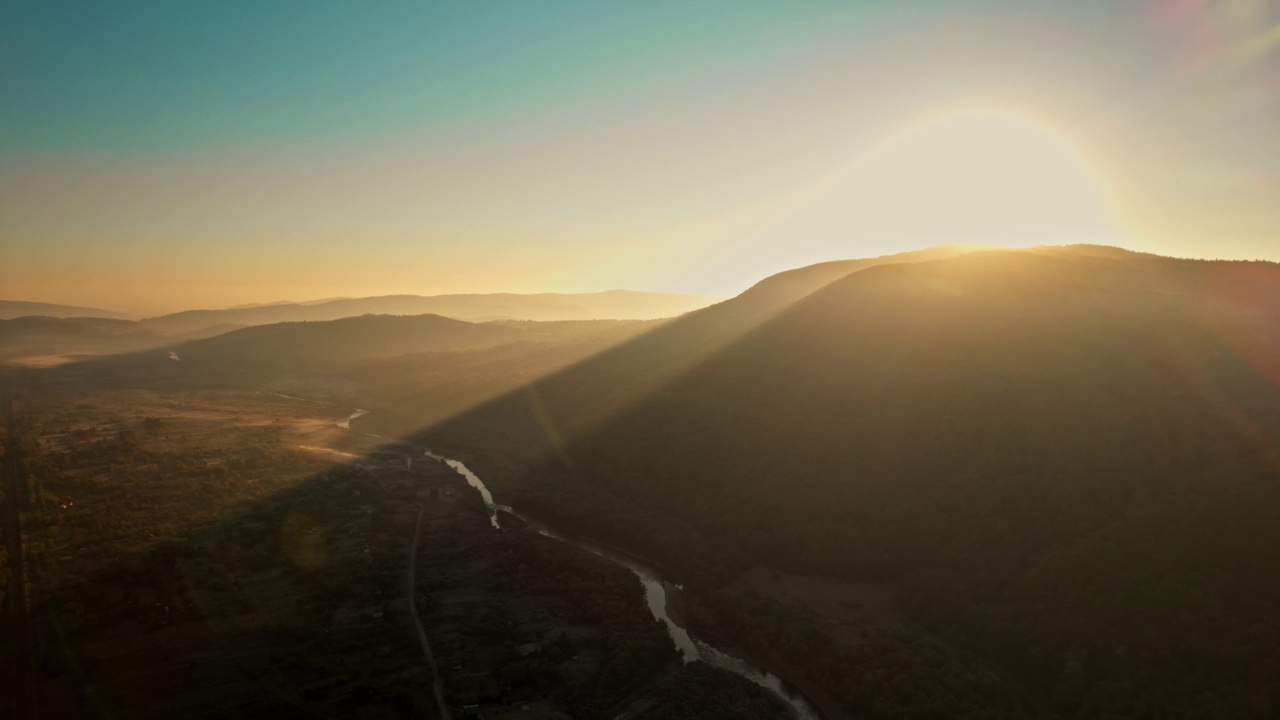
(294, 397)
(346, 424)
(474, 482)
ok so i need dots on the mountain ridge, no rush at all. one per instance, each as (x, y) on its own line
(997, 431)
(11, 309)
(607, 305)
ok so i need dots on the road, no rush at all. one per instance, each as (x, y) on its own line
(411, 577)
(17, 592)
(437, 683)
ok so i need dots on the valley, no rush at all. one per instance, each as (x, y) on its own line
(897, 515)
(263, 530)
(570, 360)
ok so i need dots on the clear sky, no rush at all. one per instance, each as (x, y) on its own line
(164, 155)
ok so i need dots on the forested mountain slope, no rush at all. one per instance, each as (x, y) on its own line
(913, 388)
(1071, 452)
(587, 394)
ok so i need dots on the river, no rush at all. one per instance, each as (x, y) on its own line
(346, 424)
(655, 587)
(655, 593)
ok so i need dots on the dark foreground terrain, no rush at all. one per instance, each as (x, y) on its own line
(223, 553)
(947, 484)
(1063, 461)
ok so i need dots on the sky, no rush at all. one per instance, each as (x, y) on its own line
(157, 156)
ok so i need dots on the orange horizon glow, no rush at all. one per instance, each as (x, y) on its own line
(1005, 126)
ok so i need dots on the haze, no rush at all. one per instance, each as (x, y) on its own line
(156, 159)
(573, 360)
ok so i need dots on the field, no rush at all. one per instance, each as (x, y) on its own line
(198, 553)
(189, 547)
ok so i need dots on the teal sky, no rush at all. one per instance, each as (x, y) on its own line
(165, 155)
(160, 76)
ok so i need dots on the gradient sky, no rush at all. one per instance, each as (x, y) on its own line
(164, 155)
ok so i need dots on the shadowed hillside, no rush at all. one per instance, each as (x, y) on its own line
(343, 340)
(438, 365)
(584, 396)
(1060, 460)
(1068, 452)
(389, 348)
(38, 337)
(916, 385)
(791, 285)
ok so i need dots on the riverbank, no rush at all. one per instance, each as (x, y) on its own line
(675, 603)
(657, 597)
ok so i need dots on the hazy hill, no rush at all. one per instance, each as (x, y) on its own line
(788, 286)
(437, 385)
(614, 304)
(1071, 452)
(311, 344)
(612, 380)
(36, 337)
(10, 309)
(936, 375)
(389, 355)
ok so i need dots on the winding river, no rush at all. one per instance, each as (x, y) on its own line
(346, 424)
(656, 588)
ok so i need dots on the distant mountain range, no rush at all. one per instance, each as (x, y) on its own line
(452, 365)
(610, 305)
(10, 309)
(44, 332)
(267, 351)
(40, 340)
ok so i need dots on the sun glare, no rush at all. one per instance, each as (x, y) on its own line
(986, 177)
(979, 177)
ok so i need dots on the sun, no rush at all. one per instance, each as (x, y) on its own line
(988, 177)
